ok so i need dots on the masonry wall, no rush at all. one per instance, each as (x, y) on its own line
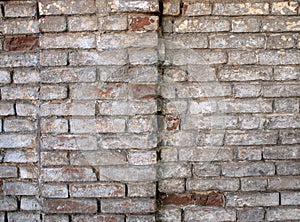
(133, 111)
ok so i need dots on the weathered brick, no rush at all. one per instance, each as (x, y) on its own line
(284, 8)
(20, 156)
(171, 185)
(29, 203)
(141, 124)
(96, 218)
(251, 138)
(141, 218)
(19, 26)
(245, 73)
(53, 58)
(142, 158)
(205, 154)
(206, 169)
(20, 216)
(281, 152)
(28, 172)
(281, 41)
(172, 7)
(70, 40)
(103, 157)
(209, 122)
(20, 188)
(19, 125)
(6, 109)
(58, 75)
(128, 173)
(184, 25)
(53, 92)
(142, 56)
(70, 206)
(254, 184)
(113, 22)
(8, 171)
(5, 77)
(48, 7)
(8, 203)
(53, 24)
(54, 190)
(186, 41)
(97, 190)
(247, 90)
(54, 125)
(16, 140)
(2, 217)
(173, 170)
(251, 214)
(128, 205)
(290, 198)
(281, 90)
(54, 158)
(207, 73)
(237, 41)
(242, 57)
(191, 8)
(26, 75)
(252, 122)
(133, 6)
(82, 23)
(245, 24)
(245, 106)
(53, 217)
(25, 9)
(283, 122)
(21, 43)
(284, 183)
(252, 199)
(212, 184)
(127, 108)
(27, 109)
(114, 57)
(137, 74)
(249, 153)
(143, 23)
(68, 142)
(169, 214)
(103, 125)
(288, 168)
(286, 73)
(287, 24)
(290, 136)
(98, 91)
(283, 214)
(142, 190)
(62, 108)
(24, 93)
(185, 57)
(197, 107)
(18, 59)
(241, 8)
(207, 213)
(288, 57)
(68, 174)
(168, 154)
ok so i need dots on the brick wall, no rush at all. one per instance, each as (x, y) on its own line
(133, 111)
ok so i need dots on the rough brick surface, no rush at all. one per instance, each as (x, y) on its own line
(149, 110)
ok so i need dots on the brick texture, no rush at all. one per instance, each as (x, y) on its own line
(149, 110)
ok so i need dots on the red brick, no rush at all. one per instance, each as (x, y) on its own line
(177, 199)
(70, 206)
(21, 43)
(172, 122)
(142, 91)
(140, 23)
(210, 199)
